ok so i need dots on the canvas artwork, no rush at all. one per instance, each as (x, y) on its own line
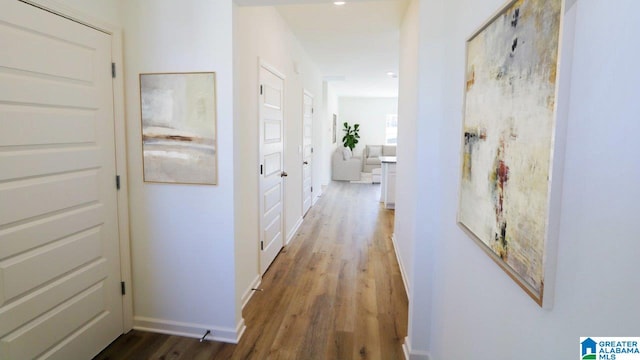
(509, 122)
(179, 128)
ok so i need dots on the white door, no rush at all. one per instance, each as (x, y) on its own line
(271, 165)
(59, 257)
(307, 153)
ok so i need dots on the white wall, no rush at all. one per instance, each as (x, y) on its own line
(320, 123)
(370, 113)
(406, 204)
(423, 166)
(474, 307)
(260, 32)
(330, 108)
(182, 236)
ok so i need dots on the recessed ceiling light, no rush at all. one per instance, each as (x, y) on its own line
(339, 3)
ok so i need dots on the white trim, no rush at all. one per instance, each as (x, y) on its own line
(240, 329)
(419, 355)
(259, 164)
(271, 68)
(248, 294)
(317, 197)
(121, 169)
(403, 271)
(410, 354)
(192, 330)
(295, 229)
(406, 351)
(406, 348)
(120, 140)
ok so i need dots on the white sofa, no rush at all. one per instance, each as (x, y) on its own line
(371, 155)
(345, 166)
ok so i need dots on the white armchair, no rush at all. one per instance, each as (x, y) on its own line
(345, 166)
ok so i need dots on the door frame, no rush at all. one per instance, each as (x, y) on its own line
(308, 93)
(115, 32)
(267, 66)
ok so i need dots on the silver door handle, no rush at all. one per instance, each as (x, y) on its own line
(284, 174)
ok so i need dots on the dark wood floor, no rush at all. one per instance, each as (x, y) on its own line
(334, 293)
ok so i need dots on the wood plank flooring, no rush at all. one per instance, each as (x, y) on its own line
(334, 293)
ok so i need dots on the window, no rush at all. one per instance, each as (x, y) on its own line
(391, 132)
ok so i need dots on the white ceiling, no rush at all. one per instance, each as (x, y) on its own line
(354, 45)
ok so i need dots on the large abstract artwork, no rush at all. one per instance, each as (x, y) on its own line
(509, 122)
(179, 128)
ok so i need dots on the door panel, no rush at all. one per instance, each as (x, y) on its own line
(26, 164)
(18, 123)
(272, 198)
(273, 230)
(55, 188)
(50, 295)
(271, 160)
(25, 237)
(307, 153)
(272, 164)
(59, 248)
(33, 339)
(272, 131)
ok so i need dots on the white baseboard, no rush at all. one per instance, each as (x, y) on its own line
(405, 349)
(410, 354)
(403, 271)
(191, 330)
(293, 231)
(248, 294)
(240, 328)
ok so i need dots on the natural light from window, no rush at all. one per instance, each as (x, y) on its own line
(391, 132)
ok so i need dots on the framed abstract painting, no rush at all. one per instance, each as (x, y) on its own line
(178, 112)
(510, 140)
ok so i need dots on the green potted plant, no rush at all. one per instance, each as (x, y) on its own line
(351, 136)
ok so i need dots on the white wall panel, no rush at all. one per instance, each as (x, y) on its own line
(469, 297)
(182, 236)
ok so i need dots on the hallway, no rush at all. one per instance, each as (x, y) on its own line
(334, 293)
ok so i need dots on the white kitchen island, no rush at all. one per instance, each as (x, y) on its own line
(388, 181)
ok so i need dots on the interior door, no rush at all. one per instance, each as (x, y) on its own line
(59, 252)
(271, 165)
(307, 152)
